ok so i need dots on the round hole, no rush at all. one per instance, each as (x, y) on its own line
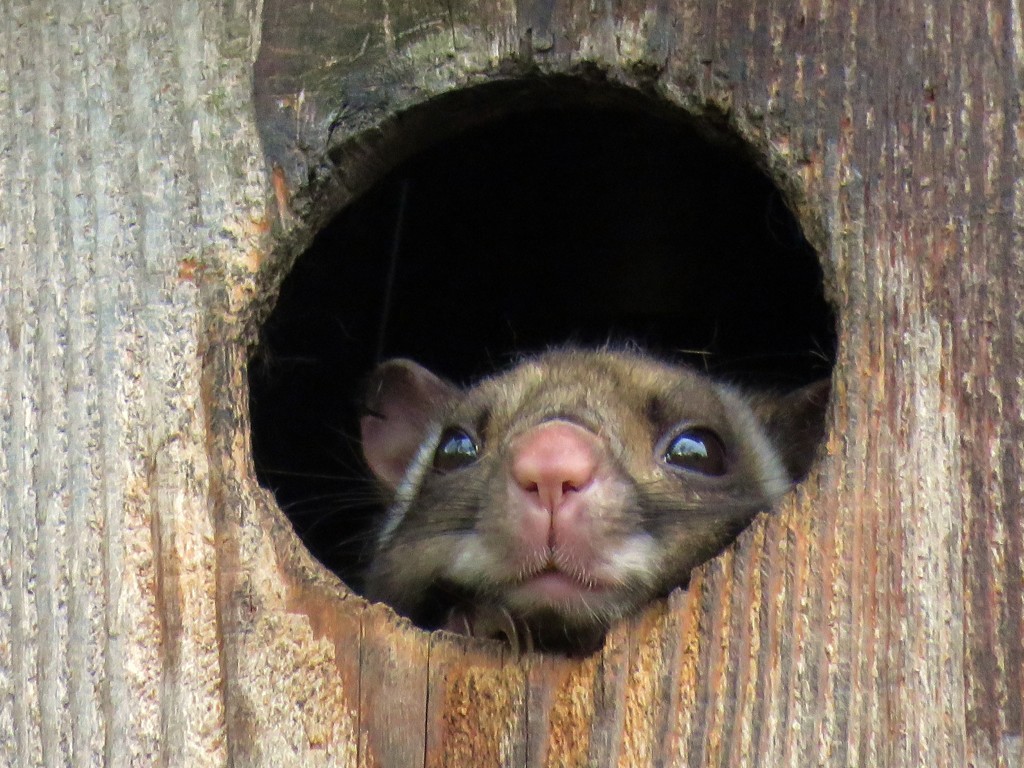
(577, 220)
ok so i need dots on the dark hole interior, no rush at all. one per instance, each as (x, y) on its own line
(581, 223)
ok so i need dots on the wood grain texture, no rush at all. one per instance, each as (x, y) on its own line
(155, 607)
(876, 618)
(124, 159)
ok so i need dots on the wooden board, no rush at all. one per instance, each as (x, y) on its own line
(155, 607)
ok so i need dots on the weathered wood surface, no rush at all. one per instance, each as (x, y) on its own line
(132, 202)
(155, 608)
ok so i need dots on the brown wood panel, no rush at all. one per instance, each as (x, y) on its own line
(155, 607)
(875, 619)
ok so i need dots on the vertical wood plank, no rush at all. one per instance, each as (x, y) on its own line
(104, 493)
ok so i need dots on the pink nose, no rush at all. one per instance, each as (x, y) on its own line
(553, 460)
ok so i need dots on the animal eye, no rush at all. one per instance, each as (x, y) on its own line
(698, 450)
(456, 450)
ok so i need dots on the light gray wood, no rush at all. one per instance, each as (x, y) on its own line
(155, 607)
(126, 156)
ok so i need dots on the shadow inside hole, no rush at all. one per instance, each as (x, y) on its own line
(578, 225)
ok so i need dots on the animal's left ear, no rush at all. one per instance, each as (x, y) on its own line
(795, 423)
(402, 399)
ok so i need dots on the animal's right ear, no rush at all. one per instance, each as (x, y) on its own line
(402, 399)
(795, 422)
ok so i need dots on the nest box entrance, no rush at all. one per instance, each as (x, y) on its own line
(579, 214)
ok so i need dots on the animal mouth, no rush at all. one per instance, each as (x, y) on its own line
(554, 584)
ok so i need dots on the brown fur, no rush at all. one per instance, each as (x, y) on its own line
(444, 546)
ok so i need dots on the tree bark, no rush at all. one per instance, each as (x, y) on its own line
(156, 607)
